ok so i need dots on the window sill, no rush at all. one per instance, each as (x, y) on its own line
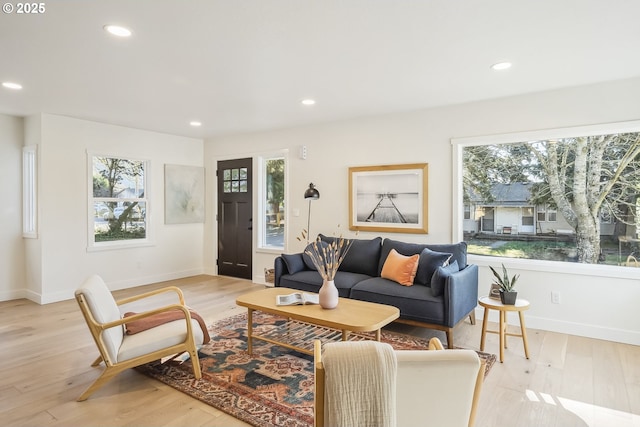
(276, 251)
(110, 246)
(576, 269)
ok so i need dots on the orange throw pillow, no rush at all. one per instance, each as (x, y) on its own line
(400, 268)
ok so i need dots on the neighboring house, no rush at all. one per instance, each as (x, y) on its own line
(510, 212)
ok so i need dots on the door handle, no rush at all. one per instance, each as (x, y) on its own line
(250, 224)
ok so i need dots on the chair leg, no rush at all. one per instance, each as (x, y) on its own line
(97, 361)
(450, 338)
(195, 362)
(106, 375)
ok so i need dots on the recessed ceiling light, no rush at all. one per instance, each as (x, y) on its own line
(308, 101)
(12, 85)
(117, 30)
(501, 66)
(195, 123)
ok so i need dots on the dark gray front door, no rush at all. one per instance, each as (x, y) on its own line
(235, 218)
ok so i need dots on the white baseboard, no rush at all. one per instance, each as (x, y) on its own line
(626, 336)
(146, 280)
(113, 286)
(11, 295)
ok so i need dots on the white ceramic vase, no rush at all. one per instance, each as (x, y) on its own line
(328, 295)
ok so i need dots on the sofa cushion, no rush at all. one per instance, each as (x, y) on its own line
(459, 251)
(400, 268)
(429, 263)
(440, 277)
(415, 302)
(362, 257)
(311, 281)
(317, 246)
(294, 262)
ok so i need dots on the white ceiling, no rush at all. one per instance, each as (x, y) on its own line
(245, 65)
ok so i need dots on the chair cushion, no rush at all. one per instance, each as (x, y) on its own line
(400, 268)
(157, 338)
(104, 309)
(440, 278)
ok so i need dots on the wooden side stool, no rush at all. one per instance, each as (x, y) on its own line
(491, 304)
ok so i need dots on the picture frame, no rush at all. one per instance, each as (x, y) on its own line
(389, 198)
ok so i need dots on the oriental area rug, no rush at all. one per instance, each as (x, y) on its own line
(271, 387)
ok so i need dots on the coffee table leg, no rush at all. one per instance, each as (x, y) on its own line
(378, 335)
(345, 335)
(249, 331)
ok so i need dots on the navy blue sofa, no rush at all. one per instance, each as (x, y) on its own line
(444, 293)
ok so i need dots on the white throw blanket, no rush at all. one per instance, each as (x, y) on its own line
(360, 384)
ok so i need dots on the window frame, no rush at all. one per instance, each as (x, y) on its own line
(92, 245)
(458, 144)
(30, 192)
(262, 201)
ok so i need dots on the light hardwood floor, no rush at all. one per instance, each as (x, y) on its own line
(46, 352)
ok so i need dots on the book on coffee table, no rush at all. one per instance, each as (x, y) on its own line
(297, 298)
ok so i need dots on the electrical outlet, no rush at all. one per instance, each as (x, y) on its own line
(555, 297)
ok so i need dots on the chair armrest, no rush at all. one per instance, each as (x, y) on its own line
(435, 344)
(149, 313)
(461, 294)
(153, 293)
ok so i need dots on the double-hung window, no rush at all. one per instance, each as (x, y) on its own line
(118, 201)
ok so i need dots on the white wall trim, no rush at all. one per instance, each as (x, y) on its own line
(114, 286)
(11, 295)
(626, 336)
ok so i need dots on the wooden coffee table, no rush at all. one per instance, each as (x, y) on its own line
(298, 334)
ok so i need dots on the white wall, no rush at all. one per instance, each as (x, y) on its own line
(424, 136)
(12, 268)
(62, 261)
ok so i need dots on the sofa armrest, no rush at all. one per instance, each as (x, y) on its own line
(287, 264)
(279, 268)
(461, 294)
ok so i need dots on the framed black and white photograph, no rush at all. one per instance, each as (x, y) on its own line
(389, 198)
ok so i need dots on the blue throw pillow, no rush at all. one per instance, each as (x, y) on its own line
(362, 257)
(440, 278)
(294, 262)
(307, 259)
(429, 263)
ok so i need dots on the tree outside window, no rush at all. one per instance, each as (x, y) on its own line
(119, 199)
(273, 199)
(571, 182)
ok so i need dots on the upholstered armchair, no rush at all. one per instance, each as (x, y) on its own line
(120, 351)
(369, 383)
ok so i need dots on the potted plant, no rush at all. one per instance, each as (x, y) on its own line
(507, 294)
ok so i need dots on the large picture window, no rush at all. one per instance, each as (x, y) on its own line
(118, 202)
(572, 195)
